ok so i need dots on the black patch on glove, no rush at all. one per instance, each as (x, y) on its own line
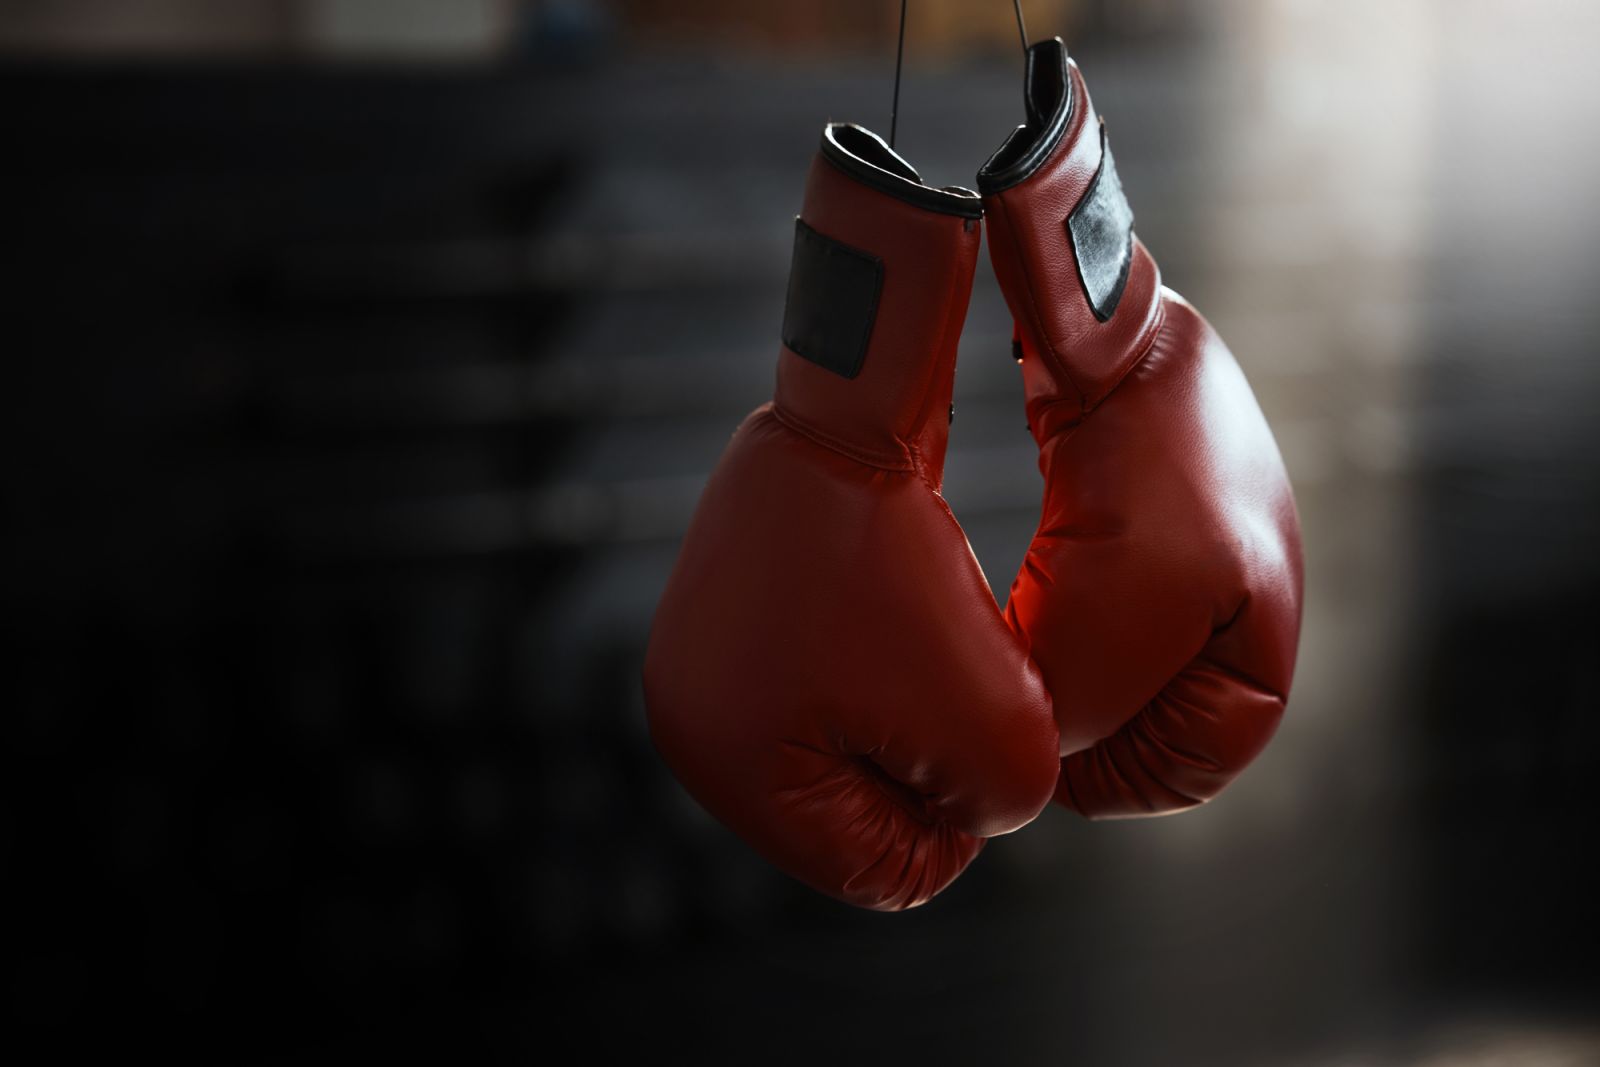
(832, 302)
(1102, 236)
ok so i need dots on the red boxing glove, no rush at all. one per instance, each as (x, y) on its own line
(1161, 594)
(828, 672)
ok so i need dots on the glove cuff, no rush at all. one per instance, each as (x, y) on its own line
(1084, 292)
(878, 291)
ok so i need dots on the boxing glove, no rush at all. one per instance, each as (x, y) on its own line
(828, 672)
(1161, 595)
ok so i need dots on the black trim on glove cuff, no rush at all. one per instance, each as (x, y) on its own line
(864, 156)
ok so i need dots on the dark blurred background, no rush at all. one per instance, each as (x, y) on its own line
(367, 357)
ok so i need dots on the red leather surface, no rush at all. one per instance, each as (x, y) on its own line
(895, 413)
(828, 672)
(1161, 596)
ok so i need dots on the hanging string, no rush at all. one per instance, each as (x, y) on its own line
(1022, 30)
(899, 57)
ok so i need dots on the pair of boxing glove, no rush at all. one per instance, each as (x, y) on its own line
(828, 672)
